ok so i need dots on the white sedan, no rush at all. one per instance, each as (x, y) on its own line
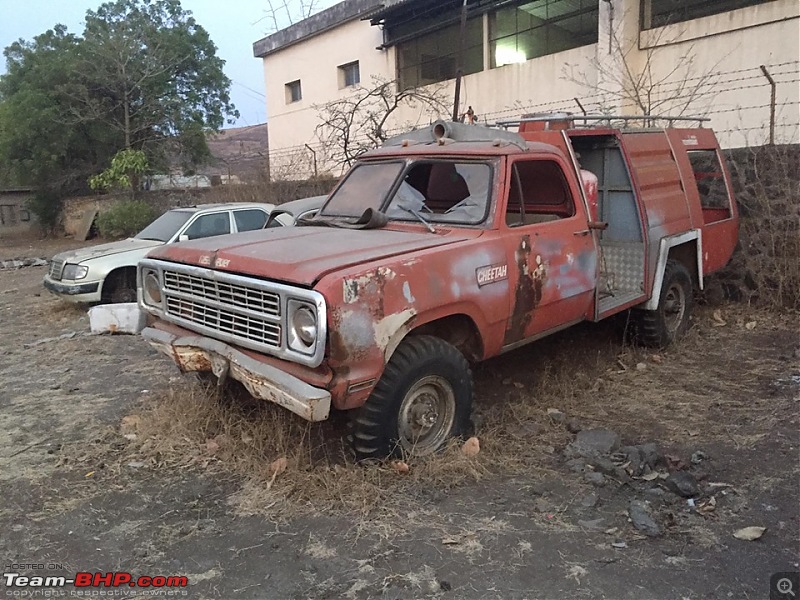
(107, 273)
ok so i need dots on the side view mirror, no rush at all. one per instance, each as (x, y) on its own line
(183, 238)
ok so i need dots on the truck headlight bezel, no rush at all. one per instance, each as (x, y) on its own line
(302, 327)
(151, 288)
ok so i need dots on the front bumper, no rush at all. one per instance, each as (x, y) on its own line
(199, 353)
(74, 292)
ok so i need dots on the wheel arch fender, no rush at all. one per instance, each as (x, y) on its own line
(460, 325)
(687, 248)
(114, 273)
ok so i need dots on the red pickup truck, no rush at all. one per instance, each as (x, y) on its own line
(446, 246)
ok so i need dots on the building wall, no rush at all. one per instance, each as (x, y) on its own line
(15, 217)
(722, 51)
(730, 48)
(314, 62)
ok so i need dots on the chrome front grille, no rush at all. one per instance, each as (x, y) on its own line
(244, 311)
(235, 295)
(219, 319)
(238, 310)
(56, 267)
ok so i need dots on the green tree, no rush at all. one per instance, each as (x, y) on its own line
(125, 172)
(144, 75)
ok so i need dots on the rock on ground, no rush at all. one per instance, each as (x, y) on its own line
(593, 443)
(642, 518)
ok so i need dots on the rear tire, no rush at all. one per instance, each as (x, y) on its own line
(661, 327)
(422, 400)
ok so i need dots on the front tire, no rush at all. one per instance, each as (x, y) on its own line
(120, 286)
(661, 327)
(423, 399)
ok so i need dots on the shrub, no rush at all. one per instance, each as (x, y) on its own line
(46, 205)
(766, 267)
(125, 219)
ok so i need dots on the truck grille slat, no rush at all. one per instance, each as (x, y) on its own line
(227, 293)
(242, 326)
(246, 313)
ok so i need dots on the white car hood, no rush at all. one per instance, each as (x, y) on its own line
(103, 250)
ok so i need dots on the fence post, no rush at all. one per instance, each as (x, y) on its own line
(771, 105)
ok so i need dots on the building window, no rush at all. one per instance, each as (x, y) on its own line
(532, 29)
(293, 92)
(433, 57)
(657, 13)
(349, 75)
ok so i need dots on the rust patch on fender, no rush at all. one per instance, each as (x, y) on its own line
(528, 292)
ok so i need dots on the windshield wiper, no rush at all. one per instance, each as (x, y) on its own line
(403, 206)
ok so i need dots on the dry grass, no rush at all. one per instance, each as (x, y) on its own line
(709, 387)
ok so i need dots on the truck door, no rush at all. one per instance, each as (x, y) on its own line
(552, 260)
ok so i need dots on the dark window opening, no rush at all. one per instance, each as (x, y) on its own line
(209, 226)
(250, 219)
(533, 29)
(294, 92)
(433, 57)
(539, 193)
(349, 75)
(710, 180)
(657, 13)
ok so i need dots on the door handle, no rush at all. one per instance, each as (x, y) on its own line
(583, 232)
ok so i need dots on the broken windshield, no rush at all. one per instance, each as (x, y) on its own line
(436, 191)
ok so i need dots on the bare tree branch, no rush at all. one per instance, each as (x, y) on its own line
(645, 88)
(354, 124)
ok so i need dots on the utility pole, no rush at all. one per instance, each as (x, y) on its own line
(460, 65)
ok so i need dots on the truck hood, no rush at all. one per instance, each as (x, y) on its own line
(103, 250)
(303, 255)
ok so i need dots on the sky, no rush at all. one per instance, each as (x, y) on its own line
(233, 26)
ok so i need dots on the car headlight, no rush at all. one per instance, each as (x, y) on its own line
(151, 288)
(74, 272)
(302, 327)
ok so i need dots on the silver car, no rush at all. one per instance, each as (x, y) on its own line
(289, 213)
(107, 273)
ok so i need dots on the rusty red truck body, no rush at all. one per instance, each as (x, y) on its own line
(444, 247)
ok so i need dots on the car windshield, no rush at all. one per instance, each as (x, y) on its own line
(440, 191)
(364, 187)
(165, 226)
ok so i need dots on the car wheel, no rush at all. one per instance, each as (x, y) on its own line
(668, 322)
(423, 399)
(120, 286)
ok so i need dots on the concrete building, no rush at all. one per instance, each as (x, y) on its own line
(15, 216)
(690, 57)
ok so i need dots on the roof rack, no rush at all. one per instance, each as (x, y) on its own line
(650, 120)
(442, 131)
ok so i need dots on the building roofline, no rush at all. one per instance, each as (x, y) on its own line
(336, 15)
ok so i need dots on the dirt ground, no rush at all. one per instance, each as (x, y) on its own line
(180, 487)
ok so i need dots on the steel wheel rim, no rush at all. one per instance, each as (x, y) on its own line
(674, 307)
(426, 415)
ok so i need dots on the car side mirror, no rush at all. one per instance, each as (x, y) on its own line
(183, 238)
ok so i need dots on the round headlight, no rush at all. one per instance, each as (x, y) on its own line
(152, 288)
(304, 323)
